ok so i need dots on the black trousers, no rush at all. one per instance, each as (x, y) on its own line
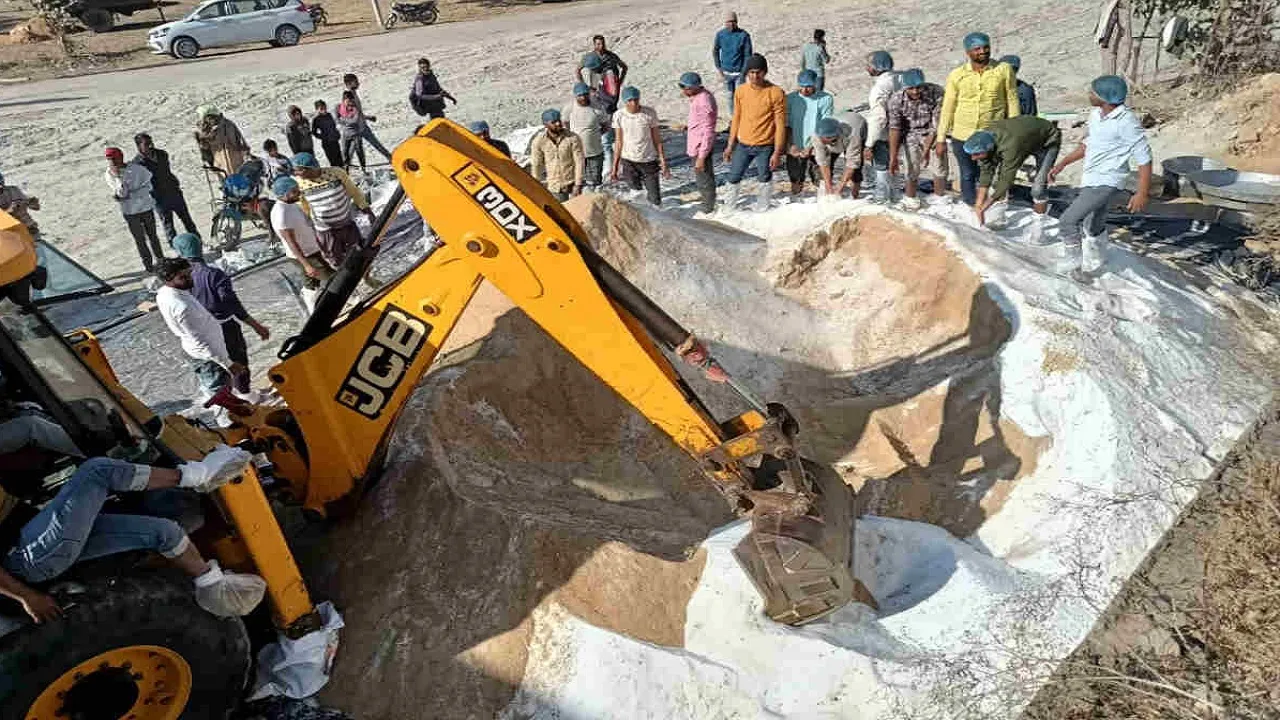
(238, 351)
(169, 207)
(706, 182)
(333, 152)
(142, 226)
(644, 174)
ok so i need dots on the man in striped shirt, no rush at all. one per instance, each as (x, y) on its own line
(331, 199)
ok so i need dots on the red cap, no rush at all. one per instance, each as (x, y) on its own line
(113, 152)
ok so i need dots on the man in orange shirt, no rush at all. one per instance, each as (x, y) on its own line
(758, 132)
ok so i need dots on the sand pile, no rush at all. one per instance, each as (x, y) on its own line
(1241, 128)
(517, 478)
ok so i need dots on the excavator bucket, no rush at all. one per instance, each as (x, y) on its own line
(800, 564)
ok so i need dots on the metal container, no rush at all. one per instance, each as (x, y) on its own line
(1250, 188)
(1176, 170)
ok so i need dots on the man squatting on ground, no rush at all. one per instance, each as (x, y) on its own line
(831, 139)
(1000, 151)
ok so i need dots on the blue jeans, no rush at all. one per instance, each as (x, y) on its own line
(366, 134)
(72, 527)
(731, 82)
(744, 156)
(968, 172)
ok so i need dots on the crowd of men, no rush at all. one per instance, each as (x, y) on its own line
(982, 122)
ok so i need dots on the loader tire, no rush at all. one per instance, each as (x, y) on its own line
(133, 645)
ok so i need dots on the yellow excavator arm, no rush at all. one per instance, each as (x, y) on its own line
(348, 374)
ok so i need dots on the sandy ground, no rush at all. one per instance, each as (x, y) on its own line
(124, 46)
(506, 69)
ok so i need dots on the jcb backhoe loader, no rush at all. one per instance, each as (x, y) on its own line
(134, 645)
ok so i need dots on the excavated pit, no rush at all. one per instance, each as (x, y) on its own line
(517, 478)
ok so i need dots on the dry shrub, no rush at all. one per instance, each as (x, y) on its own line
(1196, 632)
(1241, 616)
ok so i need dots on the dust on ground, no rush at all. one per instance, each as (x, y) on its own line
(1195, 632)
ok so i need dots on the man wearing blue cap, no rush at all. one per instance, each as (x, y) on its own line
(977, 94)
(331, 199)
(831, 139)
(1000, 151)
(556, 157)
(700, 136)
(730, 52)
(885, 85)
(913, 127)
(212, 288)
(589, 121)
(480, 129)
(298, 234)
(1026, 93)
(640, 150)
(805, 107)
(1114, 138)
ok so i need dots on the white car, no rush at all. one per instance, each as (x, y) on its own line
(219, 23)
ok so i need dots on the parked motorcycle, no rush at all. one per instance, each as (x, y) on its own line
(423, 12)
(241, 199)
(318, 15)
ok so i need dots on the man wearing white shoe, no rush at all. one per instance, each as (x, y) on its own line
(1115, 136)
(39, 546)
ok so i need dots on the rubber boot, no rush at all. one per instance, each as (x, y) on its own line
(731, 198)
(1094, 254)
(883, 192)
(763, 197)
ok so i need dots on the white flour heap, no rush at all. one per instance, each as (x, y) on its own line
(1138, 385)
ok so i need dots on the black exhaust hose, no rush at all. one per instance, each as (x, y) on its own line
(660, 325)
(335, 293)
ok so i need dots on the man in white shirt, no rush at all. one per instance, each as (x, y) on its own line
(196, 328)
(886, 83)
(640, 146)
(130, 185)
(294, 228)
(589, 121)
(1115, 136)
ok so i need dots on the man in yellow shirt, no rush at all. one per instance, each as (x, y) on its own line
(758, 132)
(978, 93)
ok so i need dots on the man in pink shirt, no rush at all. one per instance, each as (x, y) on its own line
(701, 136)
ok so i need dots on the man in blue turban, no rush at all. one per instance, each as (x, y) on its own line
(1114, 138)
